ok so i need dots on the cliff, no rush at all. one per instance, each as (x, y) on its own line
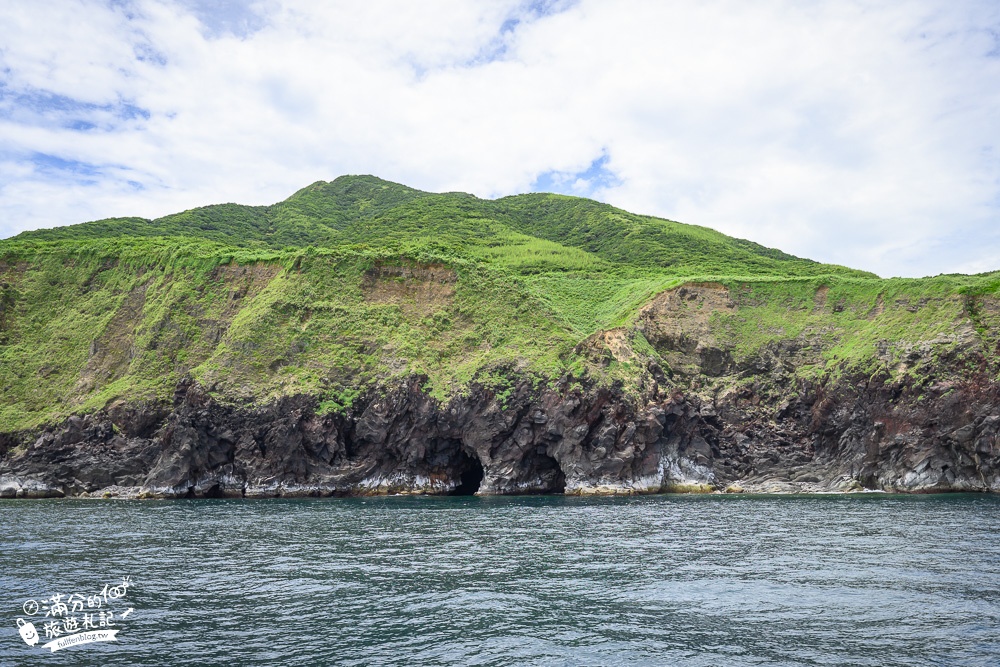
(363, 337)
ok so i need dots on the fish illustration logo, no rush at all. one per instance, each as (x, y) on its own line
(28, 632)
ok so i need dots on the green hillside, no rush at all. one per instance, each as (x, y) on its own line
(584, 235)
(358, 283)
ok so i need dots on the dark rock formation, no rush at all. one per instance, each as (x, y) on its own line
(853, 434)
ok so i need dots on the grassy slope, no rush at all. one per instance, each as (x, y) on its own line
(259, 302)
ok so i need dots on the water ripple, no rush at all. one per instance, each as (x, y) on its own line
(875, 580)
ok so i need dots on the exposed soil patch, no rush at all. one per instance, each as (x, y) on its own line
(819, 300)
(604, 347)
(113, 351)
(243, 283)
(878, 309)
(418, 289)
(678, 324)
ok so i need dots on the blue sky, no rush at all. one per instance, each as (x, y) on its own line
(860, 133)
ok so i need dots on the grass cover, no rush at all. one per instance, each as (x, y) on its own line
(358, 282)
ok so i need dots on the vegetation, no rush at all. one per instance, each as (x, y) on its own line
(359, 282)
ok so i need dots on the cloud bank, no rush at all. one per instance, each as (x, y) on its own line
(852, 132)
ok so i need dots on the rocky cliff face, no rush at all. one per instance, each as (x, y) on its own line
(700, 415)
(859, 433)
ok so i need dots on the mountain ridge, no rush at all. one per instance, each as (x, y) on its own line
(315, 214)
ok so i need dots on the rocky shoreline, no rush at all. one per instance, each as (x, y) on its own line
(854, 435)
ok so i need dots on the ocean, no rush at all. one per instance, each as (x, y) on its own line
(864, 579)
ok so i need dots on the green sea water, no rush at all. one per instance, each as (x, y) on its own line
(665, 580)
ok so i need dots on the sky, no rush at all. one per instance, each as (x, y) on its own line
(859, 133)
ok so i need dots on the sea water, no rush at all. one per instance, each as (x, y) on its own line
(662, 580)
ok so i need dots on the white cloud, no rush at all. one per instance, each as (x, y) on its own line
(850, 132)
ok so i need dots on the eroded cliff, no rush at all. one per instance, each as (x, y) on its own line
(703, 420)
(362, 337)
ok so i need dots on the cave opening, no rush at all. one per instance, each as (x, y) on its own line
(215, 492)
(553, 478)
(470, 476)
